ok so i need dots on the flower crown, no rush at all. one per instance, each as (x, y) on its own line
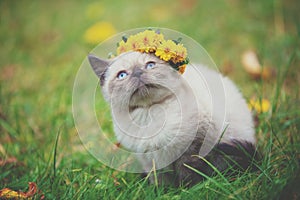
(150, 41)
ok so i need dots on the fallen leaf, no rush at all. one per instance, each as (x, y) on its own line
(253, 67)
(10, 194)
(251, 63)
(7, 193)
(116, 182)
(10, 160)
(116, 146)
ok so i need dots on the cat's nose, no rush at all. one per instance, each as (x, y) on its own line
(137, 72)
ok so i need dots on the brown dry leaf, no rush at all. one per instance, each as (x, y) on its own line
(10, 160)
(253, 67)
(7, 193)
(116, 182)
(251, 63)
(116, 146)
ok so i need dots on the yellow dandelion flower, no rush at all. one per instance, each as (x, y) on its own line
(123, 47)
(150, 41)
(133, 43)
(181, 53)
(158, 38)
(166, 50)
(164, 54)
(154, 38)
(146, 43)
(259, 106)
(99, 32)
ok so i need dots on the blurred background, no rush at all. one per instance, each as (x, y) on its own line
(43, 43)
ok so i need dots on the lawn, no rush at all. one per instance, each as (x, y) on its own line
(43, 44)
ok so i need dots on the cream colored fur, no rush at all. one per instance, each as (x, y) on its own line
(160, 113)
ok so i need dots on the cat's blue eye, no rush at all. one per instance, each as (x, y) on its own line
(150, 65)
(122, 75)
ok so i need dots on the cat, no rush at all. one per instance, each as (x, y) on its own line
(167, 116)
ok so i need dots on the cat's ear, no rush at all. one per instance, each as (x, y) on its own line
(99, 65)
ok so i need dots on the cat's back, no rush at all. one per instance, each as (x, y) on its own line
(219, 96)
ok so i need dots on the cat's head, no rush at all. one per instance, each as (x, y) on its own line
(135, 79)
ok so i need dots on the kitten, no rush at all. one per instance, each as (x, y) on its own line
(168, 117)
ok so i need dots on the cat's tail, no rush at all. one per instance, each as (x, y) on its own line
(228, 159)
(236, 157)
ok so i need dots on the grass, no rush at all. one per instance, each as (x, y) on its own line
(42, 47)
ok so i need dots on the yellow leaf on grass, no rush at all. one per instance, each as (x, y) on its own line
(99, 32)
(260, 106)
(10, 194)
(7, 193)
